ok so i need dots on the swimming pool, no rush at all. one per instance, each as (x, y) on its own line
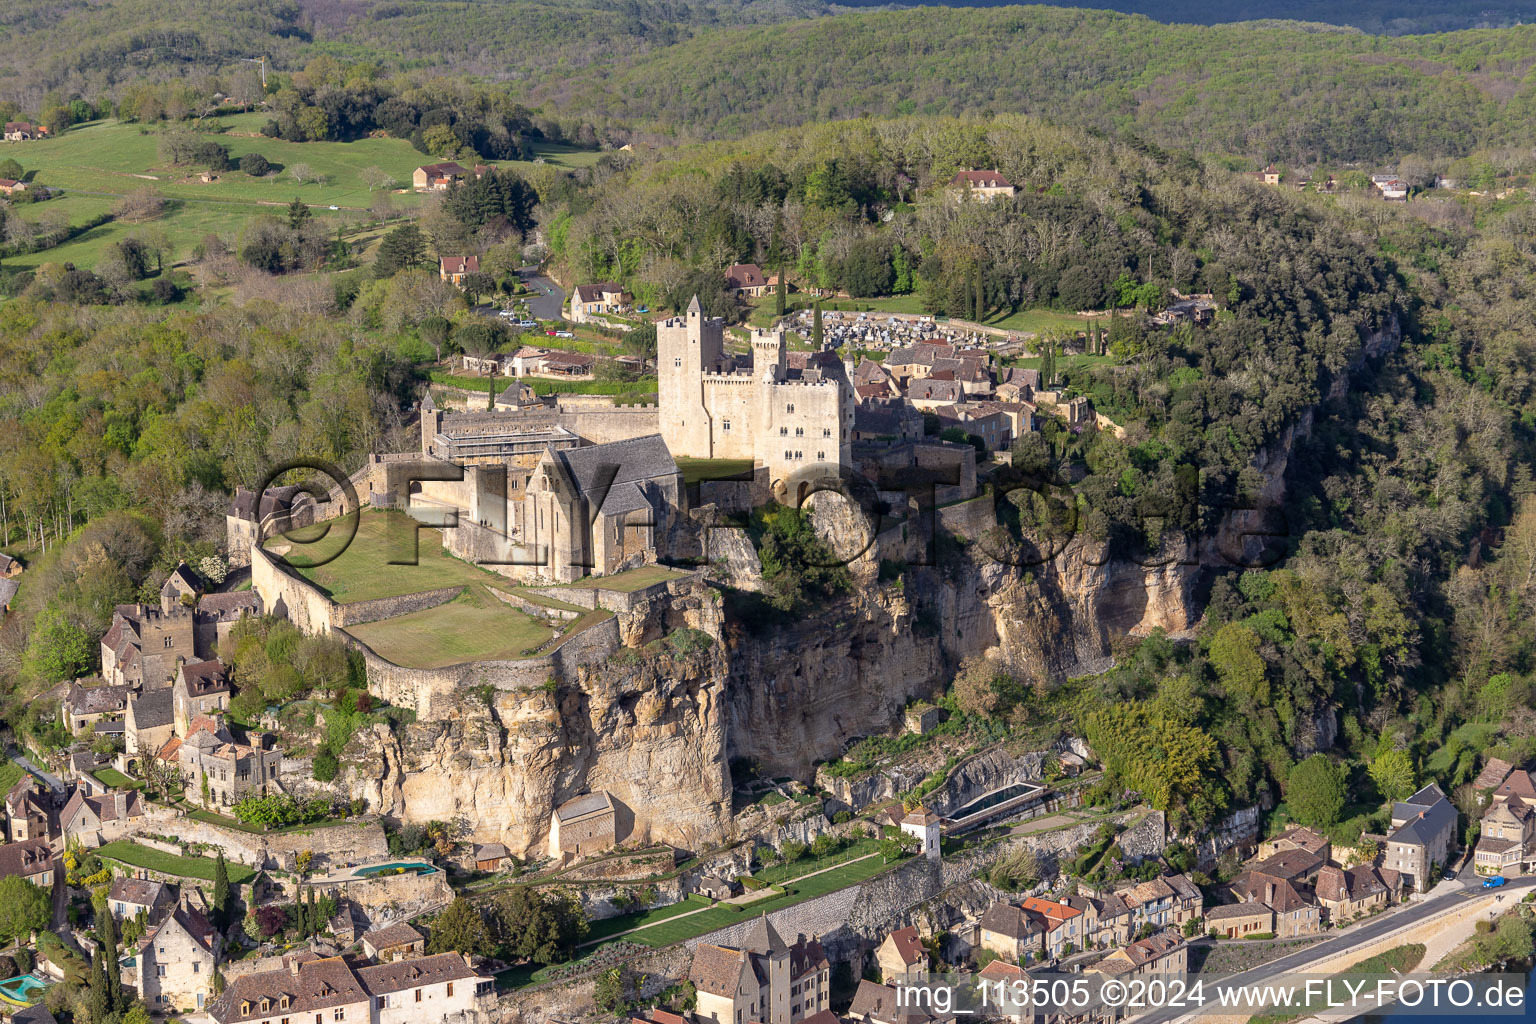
(22, 990)
(402, 867)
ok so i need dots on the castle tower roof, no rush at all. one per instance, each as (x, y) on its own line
(695, 306)
(763, 939)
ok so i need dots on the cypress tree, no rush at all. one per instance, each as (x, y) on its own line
(298, 213)
(816, 326)
(98, 997)
(980, 301)
(107, 932)
(780, 293)
(220, 892)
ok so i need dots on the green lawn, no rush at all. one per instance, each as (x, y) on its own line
(134, 855)
(103, 161)
(613, 925)
(695, 470)
(1037, 321)
(669, 931)
(362, 572)
(10, 774)
(475, 626)
(634, 579)
(805, 865)
(114, 779)
(1063, 363)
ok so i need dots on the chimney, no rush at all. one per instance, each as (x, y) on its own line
(293, 966)
(120, 804)
(1269, 892)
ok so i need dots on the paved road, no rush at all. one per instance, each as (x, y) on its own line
(1445, 896)
(548, 300)
(54, 782)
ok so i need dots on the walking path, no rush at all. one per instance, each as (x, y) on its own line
(745, 897)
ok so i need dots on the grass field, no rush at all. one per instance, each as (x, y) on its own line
(1037, 321)
(362, 572)
(475, 626)
(10, 774)
(114, 779)
(138, 856)
(99, 163)
(695, 470)
(634, 579)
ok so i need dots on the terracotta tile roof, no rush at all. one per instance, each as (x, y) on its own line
(1516, 783)
(1054, 914)
(745, 275)
(398, 934)
(1002, 969)
(1492, 774)
(25, 858)
(459, 264)
(399, 975)
(981, 179)
(908, 946)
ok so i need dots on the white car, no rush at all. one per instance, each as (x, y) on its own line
(564, 334)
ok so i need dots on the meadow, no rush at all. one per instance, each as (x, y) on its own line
(475, 626)
(97, 164)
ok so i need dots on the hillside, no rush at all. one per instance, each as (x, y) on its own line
(1269, 91)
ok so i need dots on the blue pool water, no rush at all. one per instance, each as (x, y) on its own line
(396, 868)
(25, 988)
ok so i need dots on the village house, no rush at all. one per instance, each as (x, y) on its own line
(1162, 953)
(393, 942)
(1061, 925)
(711, 408)
(593, 300)
(92, 821)
(931, 393)
(1506, 842)
(437, 177)
(212, 761)
(901, 955)
(1005, 929)
(151, 720)
(424, 989)
(175, 963)
(202, 689)
(881, 1004)
(1295, 909)
(1390, 186)
(1422, 837)
(1268, 176)
(582, 826)
(923, 825)
(89, 705)
(1345, 895)
(1298, 837)
(130, 897)
(31, 860)
(453, 268)
(28, 809)
(716, 888)
(766, 980)
(23, 131)
(1236, 920)
(982, 185)
(10, 186)
(992, 426)
(747, 279)
(917, 361)
(1292, 865)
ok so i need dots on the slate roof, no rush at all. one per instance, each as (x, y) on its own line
(230, 603)
(623, 466)
(763, 938)
(140, 891)
(37, 1013)
(205, 677)
(1289, 864)
(587, 803)
(97, 700)
(153, 708)
(1428, 814)
(398, 934)
(1493, 773)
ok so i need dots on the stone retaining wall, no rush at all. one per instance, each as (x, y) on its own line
(389, 607)
(357, 842)
(290, 597)
(396, 897)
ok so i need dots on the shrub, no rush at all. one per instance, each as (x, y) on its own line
(255, 165)
(325, 766)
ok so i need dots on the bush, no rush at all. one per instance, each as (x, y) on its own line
(325, 766)
(255, 165)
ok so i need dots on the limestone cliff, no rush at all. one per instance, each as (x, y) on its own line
(646, 726)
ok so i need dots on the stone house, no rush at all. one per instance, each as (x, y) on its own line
(231, 769)
(437, 177)
(1235, 920)
(28, 811)
(1296, 910)
(712, 406)
(150, 722)
(1345, 895)
(982, 185)
(747, 279)
(453, 268)
(582, 826)
(1005, 929)
(901, 954)
(717, 888)
(393, 942)
(1268, 176)
(1291, 865)
(303, 988)
(1162, 953)
(490, 856)
(30, 859)
(145, 644)
(881, 1004)
(95, 820)
(892, 420)
(923, 825)
(1062, 930)
(425, 989)
(766, 980)
(589, 301)
(1422, 837)
(23, 131)
(1298, 837)
(202, 689)
(1506, 842)
(130, 897)
(87, 705)
(175, 963)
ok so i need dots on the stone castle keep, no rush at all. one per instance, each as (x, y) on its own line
(786, 413)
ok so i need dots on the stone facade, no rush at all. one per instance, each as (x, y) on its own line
(711, 409)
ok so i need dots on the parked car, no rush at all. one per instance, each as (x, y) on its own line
(564, 334)
(528, 323)
(1494, 882)
(550, 333)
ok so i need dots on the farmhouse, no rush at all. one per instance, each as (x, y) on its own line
(747, 279)
(10, 186)
(593, 300)
(437, 177)
(23, 131)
